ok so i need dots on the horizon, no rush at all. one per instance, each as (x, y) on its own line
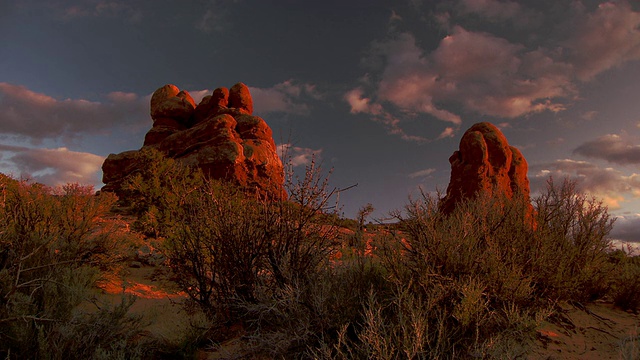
(381, 92)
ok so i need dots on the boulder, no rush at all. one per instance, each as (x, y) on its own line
(240, 98)
(162, 128)
(117, 167)
(169, 102)
(220, 97)
(226, 142)
(485, 162)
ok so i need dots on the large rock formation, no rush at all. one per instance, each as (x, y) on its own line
(220, 135)
(485, 162)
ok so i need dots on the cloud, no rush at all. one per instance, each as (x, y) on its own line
(422, 173)
(198, 95)
(494, 77)
(491, 9)
(216, 16)
(361, 104)
(212, 20)
(297, 156)
(608, 37)
(608, 184)
(35, 116)
(408, 82)
(627, 228)
(101, 8)
(286, 97)
(481, 72)
(612, 148)
(447, 132)
(52, 166)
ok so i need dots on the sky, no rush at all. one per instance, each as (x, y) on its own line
(378, 91)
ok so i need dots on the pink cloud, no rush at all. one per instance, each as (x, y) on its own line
(297, 156)
(481, 72)
(52, 167)
(448, 132)
(286, 97)
(422, 173)
(361, 104)
(610, 185)
(614, 148)
(35, 116)
(468, 56)
(608, 37)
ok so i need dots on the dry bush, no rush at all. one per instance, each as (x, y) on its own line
(263, 263)
(475, 283)
(221, 242)
(570, 256)
(626, 280)
(53, 243)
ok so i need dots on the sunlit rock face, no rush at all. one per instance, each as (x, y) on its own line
(219, 135)
(485, 162)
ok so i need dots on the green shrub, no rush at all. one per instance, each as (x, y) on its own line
(159, 186)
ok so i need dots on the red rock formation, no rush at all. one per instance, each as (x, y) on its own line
(240, 98)
(220, 136)
(485, 163)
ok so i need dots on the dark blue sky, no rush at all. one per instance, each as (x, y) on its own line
(380, 91)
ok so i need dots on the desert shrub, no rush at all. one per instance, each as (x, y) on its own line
(53, 244)
(109, 332)
(263, 263)
(156, 189)
(626, 280)
(476, 282)
(222, 242)
(302, 318)
(572, 244)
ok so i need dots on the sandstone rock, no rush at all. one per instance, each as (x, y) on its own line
(212, 105)
(220, 97)
(162, 128)
(169, 102)
(227, 143)
(485, 163)
(161, 95)
(116, 167)
(203, 110)
(240, 98)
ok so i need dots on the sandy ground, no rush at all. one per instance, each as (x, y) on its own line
(158, 300)
(594, 331)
